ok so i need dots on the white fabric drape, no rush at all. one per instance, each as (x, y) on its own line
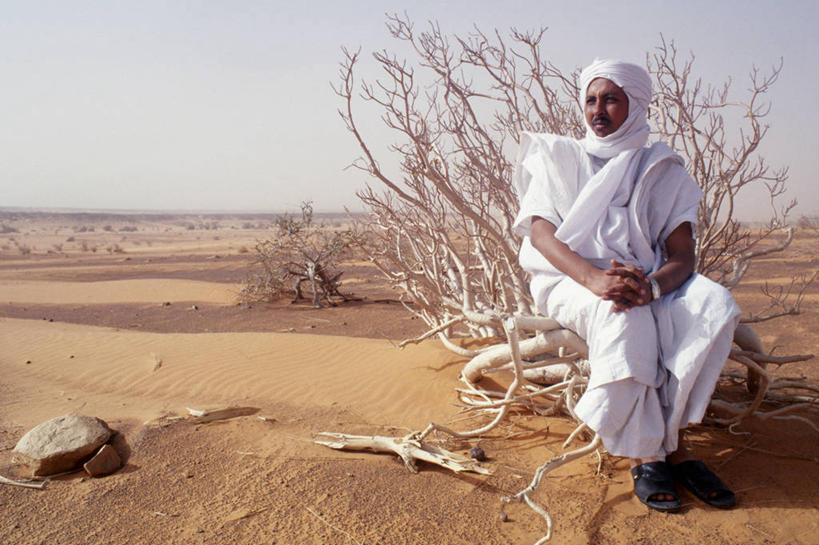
(653, 369)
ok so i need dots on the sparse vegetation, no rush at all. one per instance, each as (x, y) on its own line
(808, 222)
(5, 228)
(302, 252)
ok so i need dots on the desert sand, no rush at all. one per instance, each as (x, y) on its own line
(137, 320)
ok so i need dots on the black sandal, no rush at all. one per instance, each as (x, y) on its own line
(701, 481)
(652, 479)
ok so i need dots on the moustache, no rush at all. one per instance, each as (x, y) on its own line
(601, 118)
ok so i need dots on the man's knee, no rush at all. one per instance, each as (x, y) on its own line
(706, 297)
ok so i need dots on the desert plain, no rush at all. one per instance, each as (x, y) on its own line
(133, 318)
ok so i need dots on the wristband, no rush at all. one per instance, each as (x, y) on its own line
(655, 288)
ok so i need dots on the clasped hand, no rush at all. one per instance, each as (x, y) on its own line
(625, 285)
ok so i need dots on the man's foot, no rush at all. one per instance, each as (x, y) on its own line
(701, 481)
(654, 486)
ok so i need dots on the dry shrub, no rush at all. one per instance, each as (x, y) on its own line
(301, 252)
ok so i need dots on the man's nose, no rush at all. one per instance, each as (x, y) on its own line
(599, 107)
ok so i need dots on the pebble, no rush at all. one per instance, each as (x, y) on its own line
(504, 517)
(478, 454)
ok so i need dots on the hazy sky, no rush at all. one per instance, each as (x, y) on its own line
(218, 105)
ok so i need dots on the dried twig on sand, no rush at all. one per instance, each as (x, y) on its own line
(409, 448)
(24, 484)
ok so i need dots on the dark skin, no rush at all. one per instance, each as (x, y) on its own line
(627, 286)
(605, 107)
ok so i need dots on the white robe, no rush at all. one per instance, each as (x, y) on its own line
(654, 368)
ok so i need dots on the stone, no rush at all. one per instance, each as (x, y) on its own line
(62, 443)
(478, 454)
(104, 462)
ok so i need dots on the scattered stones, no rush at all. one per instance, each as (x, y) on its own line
(478, 454)
(104, 462)
(60, 444)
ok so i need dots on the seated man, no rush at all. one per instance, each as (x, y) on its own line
(608, 240)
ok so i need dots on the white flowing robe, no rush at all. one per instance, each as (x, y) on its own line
(654, 368)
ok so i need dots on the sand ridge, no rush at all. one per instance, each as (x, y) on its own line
(220, 369)
(142, 290)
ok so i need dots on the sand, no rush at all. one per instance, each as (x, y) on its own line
(88, 333)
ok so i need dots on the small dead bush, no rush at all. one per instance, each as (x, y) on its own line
(301, 252)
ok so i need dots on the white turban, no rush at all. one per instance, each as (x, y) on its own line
(636, 83)
(623, 148)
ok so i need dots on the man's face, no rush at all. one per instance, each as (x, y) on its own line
(606, 107)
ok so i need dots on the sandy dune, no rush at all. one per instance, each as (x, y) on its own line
(248, 480)
(218, 369)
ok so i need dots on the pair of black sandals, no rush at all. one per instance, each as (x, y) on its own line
(654, 479)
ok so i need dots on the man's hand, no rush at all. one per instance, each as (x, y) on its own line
(631, 288)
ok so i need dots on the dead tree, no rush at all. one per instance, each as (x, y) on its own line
(442, 226)
(302, 252)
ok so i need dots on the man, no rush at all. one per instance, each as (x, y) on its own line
(608, 239)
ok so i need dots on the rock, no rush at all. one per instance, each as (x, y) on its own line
(105, 461)
(478, 454)
(62, 443)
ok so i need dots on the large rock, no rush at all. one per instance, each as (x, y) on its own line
(62, 443)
